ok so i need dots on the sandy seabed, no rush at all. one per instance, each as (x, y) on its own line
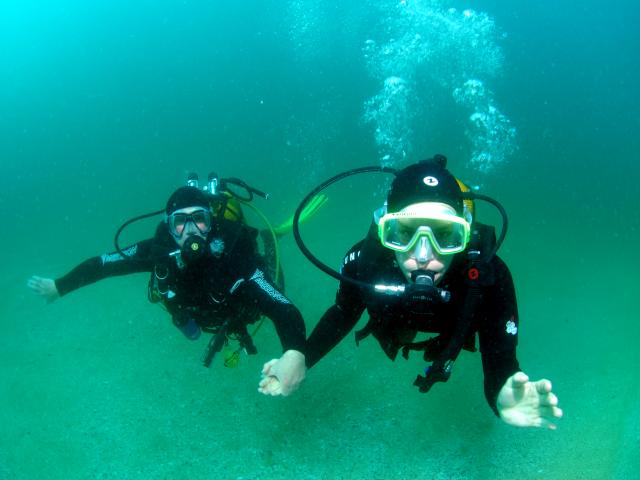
(97, 388)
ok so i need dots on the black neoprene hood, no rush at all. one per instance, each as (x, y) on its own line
(425, 181)
(186, 197)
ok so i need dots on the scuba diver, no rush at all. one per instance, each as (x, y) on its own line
(206, 270)
(427, 265)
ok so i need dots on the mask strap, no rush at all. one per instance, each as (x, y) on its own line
(379, 213)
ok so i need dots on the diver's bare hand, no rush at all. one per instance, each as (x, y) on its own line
(44, 287)
(523, 403)
(282, 376)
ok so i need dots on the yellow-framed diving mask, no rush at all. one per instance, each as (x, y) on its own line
(438, 222)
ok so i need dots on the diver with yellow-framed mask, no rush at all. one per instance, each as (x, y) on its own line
(427, 266)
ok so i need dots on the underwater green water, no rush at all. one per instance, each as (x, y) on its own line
(106, 106)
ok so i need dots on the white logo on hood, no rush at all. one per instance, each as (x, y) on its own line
(430, 181)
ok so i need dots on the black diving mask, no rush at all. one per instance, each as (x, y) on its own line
(179, 220)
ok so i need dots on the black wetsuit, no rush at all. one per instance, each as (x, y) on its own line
(229, 285)
(394, 323)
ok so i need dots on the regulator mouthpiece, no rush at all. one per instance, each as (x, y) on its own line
(193, 249)
(424, 289)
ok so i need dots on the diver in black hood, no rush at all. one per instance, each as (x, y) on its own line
(206, 271)
(427, 265)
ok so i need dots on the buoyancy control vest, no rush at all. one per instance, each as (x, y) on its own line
(395, 323)
(202, 290)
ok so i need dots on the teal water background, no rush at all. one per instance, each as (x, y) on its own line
(106, 106)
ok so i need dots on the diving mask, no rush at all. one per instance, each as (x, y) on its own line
(178, 220)
(447, 232)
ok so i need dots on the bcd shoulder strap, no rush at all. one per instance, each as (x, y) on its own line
(478, 276)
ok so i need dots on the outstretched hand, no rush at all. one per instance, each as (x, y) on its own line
(523, 403)
(282, 376)
(44, 287)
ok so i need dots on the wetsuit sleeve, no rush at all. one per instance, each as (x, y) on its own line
(107, 265)
(498, 333)
(271, 265)
(285, 316)
(340, 318)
